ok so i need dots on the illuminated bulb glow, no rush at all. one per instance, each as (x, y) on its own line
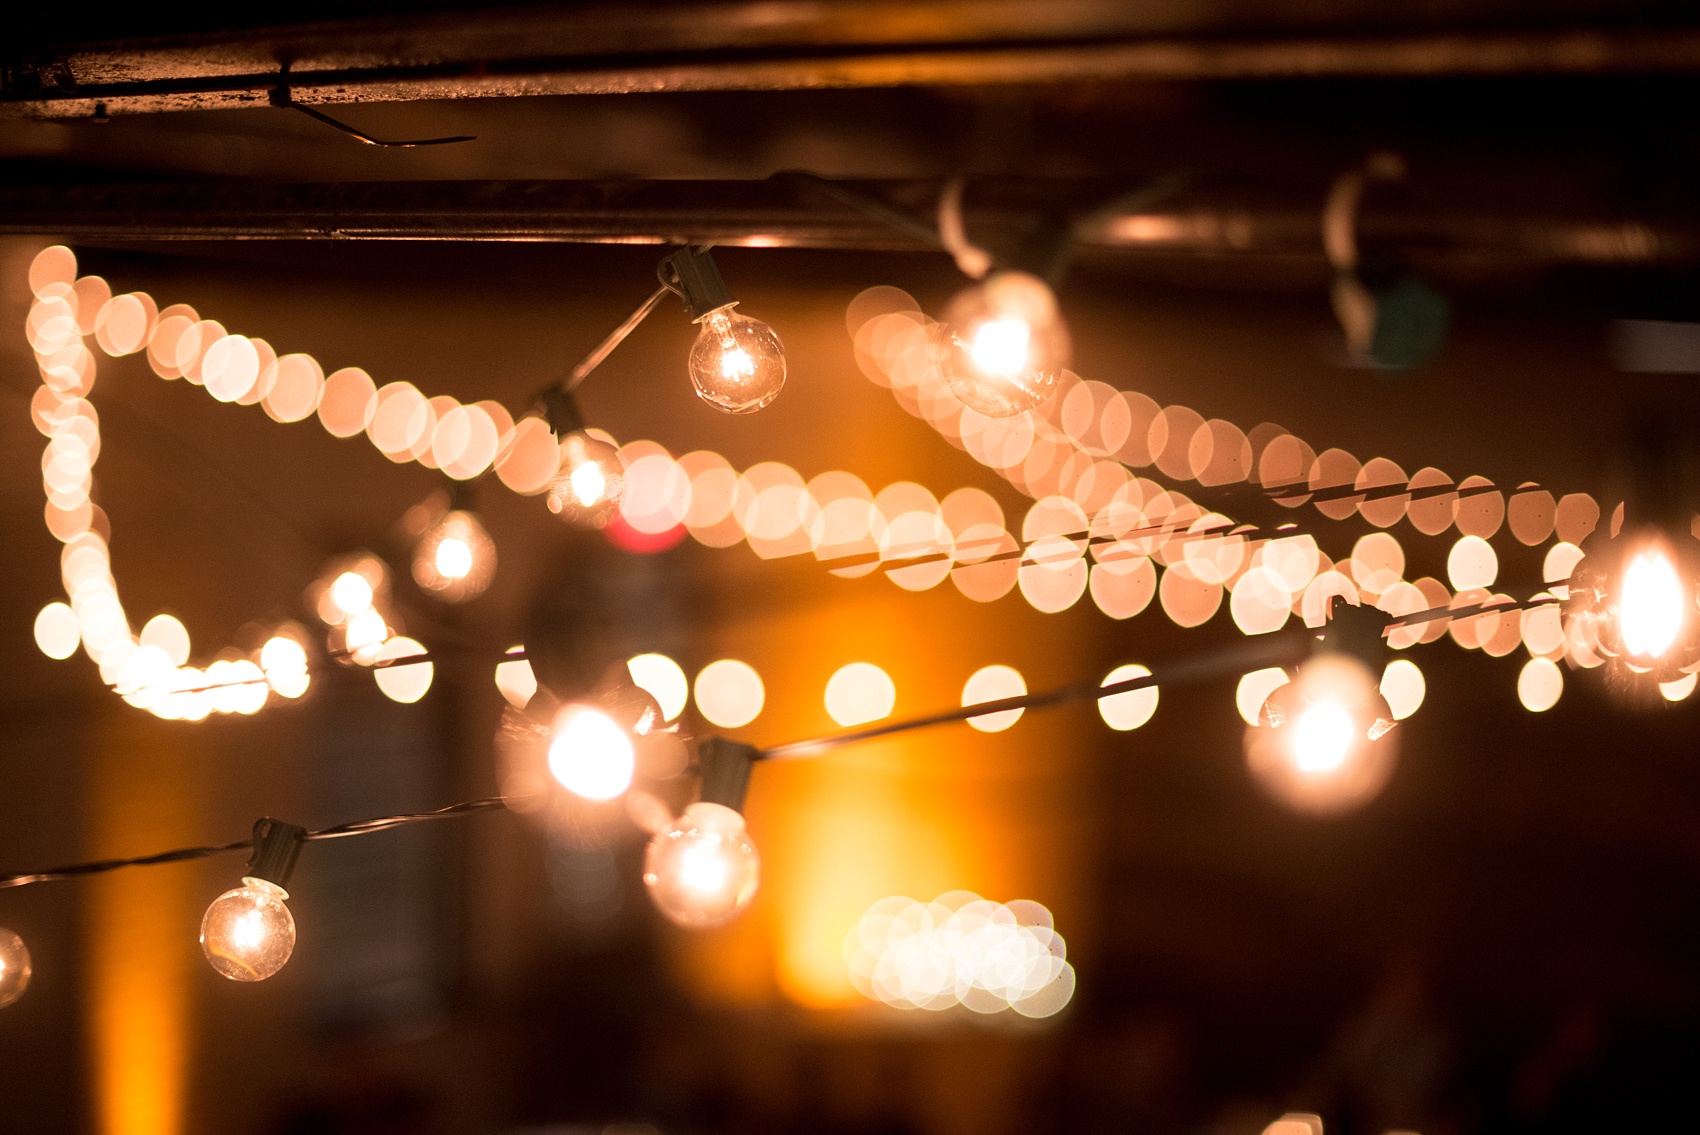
(1322, 737)
(590, 754)
(248, 934)
(351, 593)
(737, 364)
(588, 483)
(454, 558)
(702, 870)
(15, 967)
(1000, 346)
(1650, 612)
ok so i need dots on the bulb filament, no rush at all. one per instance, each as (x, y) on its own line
(1651, 610)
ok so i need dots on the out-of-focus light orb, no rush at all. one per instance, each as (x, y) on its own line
(15, 967)
(1679, 689)
(170, 635)
(352, 593)
(1254, 689)
(248, 933)
(1472, 563)
(1540, 684)
(994, 683)
(516, 681)
(284, 662)
(1404, 687)
(590, 481)
(57, 632)
(404, 682)
(702, 870)
(860, 692)
(663, 679)
(453, 559)
(962, 950)
(590, 754)
(729, 693)
(737, 364)
(366, 631)
(1651, 607)
(1003, 345)
(1130, 710)
(1321, 744)
(1300, 1123)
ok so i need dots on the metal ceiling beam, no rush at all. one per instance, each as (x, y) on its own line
(787, 212)
(783, 45)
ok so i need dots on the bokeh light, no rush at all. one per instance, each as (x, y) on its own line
(858, 693)
(656, 673)
(729, 693)
(1131, 709)
(994, 683)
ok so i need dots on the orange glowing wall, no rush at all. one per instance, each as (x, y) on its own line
(140, 932)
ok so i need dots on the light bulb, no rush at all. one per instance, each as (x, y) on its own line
(591, 480)
(15, 968)
(737, 363)
(455, 558)
(364, 634)
(1003, 344)
(590, 754)
(1650, 608)
(248, 933)
(1321, 744)
(352, 593)
(703, 870)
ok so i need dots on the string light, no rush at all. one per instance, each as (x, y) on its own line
(15, 967)
(737, 364)
(1003, 345)
(455, 558)
(248, 933)
(1320, 743)
(702, 870)
(1635, 599)
(590, 754)
(590, 480)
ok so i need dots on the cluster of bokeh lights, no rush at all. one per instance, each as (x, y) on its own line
(961, 950)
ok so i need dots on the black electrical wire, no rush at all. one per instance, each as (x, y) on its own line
(337, 831)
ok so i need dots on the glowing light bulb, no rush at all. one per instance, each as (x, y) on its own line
(737, 363)
(591, 481)
(590, 754)
(248, 933)
(365, 633)
(1650, 610)
(15, 968)
(1320, 744)
(352, 593)
(702, 870)
(455, 558)
(1003, 345)
(1322, 738)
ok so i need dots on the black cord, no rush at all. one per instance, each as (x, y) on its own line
(337, 831)
(280, 97)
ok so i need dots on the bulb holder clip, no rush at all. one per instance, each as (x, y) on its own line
(561, 411)
(692, 275)
(1357, 631)
(725, 769)
(276, 846)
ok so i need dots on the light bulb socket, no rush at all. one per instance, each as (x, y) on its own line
(1356, 631)
(561, 411)
(276, 846)
(692, 275)
(725, 769)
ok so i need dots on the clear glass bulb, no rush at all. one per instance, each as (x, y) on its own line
(1321, 741)
(248, 933)
(590, 754)
(1650, 608)
(15, 968)
(702, 870)
(455, 558)
(1003, 345)
(737, 363)
(591, 480)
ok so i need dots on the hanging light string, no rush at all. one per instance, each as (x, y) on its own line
(336, 831)
(1272, 651)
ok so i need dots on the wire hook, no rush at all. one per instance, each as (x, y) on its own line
(280, 97)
